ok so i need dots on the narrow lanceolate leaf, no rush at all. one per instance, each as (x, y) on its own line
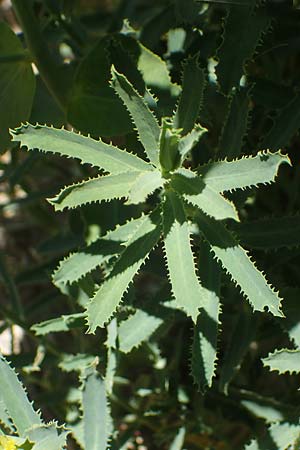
(285, 125)
(245, 172)
(178, 441)
(196, 192)
(96, 414)
(237, 263)
(235, 127)
(106, 188)
(187, 290)
(145, 184)
(76, 265)
(187, 142)
(112, 355)
(283, 361)
(239, 43)
(193, 85)
(145, 122)
(111, 292)
(204, 349)
(14, 397)
(136, 329)
(59, 324)
(242, 334)
(269, 234)
(73, 145)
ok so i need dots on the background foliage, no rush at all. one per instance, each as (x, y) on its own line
(225, 75)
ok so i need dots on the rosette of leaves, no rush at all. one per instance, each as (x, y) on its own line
(188, 201)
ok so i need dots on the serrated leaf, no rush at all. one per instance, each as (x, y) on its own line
(17, 84)
(79, 362)
(191, 98)
(145, 184)
(96, 414)
(235, 126)
(73, 145)
(268, 234)
(146, 124)
(264, 411)
(187, 142)
(242, 334)
(245, 172)
(111, 292)
(59, 324)
(285, 126)
(237, 263)
(76, 265)
(196, 192)
(15, 400)
(47, 437)
(283, 361)
(136, 329)
(239, 43)
(103, 188)
(186, 288)
(204, 348)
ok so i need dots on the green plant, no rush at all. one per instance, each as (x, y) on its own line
(161, 235)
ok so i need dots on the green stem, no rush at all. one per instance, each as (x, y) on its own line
(48, 69)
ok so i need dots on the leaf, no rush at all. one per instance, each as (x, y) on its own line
(145, 122)
(245, 172)
(136, 329)
(76, 265)
(178, 442)
(235, 126)
(79, 362)
(204, 348)
(73, 145)
(145, 184)
(59, 324)
(47, 437)
(96, 414)
(111, 292)
(285, 126)
(279, 436)
(268, 234)
(291, 323)
(239, 43)
(237, 263)
(191, 98)
(17, 84)
(112, 355)
(157, 78)
(186, 288)
(195, 191)
(14, 397)
(187, 142)
(106, 188)
(283, 361)
(242, 333)
(92, 103)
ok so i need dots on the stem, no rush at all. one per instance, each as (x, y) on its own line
(16, 57)
(48, 69)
